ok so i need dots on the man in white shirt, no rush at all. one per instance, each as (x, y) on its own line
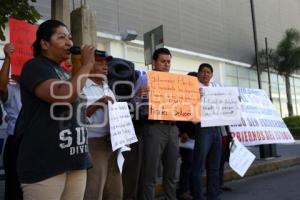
(104, 180)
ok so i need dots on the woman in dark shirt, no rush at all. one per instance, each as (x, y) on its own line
(53, 155)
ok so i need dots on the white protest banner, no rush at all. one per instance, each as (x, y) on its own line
(240, 157)
(260, 124)
(121, 128)
(221, 106)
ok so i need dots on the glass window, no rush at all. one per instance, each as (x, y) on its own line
(292, 81)
(297, 81)
(231, 70)
(274, 89)
(294, 105)
(265, 87)
(244, 83)
(231, 81)
(281, 79)
(253, 84)
(276, 104)
(135, 55)
(297, 90)
(273, 78)
(252, 75)
(285, 112)
(243, 72)
(283, 93)
(264, 77)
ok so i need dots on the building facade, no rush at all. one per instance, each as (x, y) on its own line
(215, 31)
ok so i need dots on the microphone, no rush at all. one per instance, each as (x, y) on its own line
(76, 50)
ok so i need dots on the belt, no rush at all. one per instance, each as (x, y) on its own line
(171, 123)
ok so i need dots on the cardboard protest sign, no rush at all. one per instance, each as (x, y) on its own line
(121, 128)
(260, 122)
(173, 97)
(220, 106)
(22, 35)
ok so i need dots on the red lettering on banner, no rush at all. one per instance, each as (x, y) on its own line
(267, 135)
(239, 136)
(254, 136)
(249, 136)
(286, 136)
(278, 135)
(233, 134)
(272, 136)
(263, 135)
(257, 136)
(245, 136)
(22, 35)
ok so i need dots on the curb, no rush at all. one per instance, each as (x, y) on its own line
(263, 167)
(257, 168)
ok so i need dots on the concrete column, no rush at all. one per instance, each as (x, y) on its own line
(60, 10)
(83, 26)
(116, 49)
(222, 73)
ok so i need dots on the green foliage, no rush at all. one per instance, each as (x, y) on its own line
(288, 52)
(262, 59)
(293, 123)
(285, 59)
(19, 9)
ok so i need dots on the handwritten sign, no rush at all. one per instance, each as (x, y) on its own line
(240, 158)
(260, 122)
(121, 128)
(120, 157)
(22, 35)
(221, 106)
(173, 97)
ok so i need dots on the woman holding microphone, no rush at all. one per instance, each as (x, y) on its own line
(53, 156)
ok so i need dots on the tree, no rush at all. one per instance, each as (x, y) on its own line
(262, 59)
(285, 59)
(19, 9)
(288, 60)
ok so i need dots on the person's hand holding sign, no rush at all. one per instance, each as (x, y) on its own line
(8, 50)
(104, 100)
(100, 103)
(184, 137)
(143, 92)
(201, 93)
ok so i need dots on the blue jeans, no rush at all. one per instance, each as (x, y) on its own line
(207, 153)
(185, 178)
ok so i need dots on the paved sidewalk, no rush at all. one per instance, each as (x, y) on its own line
(289, 156)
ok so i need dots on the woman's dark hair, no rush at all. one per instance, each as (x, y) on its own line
(44, 32)
(203, 65)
